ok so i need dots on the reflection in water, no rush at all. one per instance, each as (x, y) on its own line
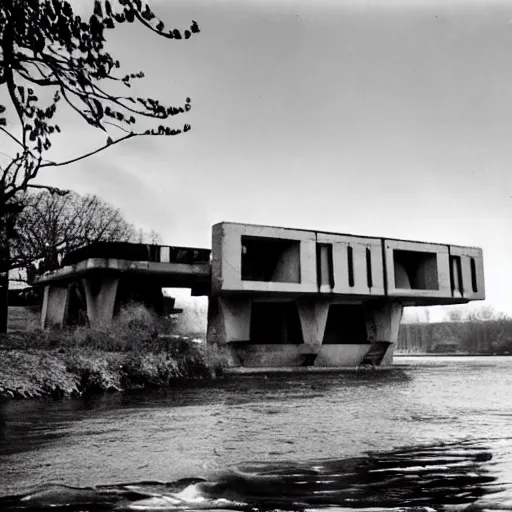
(449, 476)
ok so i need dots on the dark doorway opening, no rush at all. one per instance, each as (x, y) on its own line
(275, 323)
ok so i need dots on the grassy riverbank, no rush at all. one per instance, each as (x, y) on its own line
(130, 354)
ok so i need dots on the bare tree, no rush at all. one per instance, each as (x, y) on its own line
(146, 237)
(52, 225)
(455, 314)
(51, 57)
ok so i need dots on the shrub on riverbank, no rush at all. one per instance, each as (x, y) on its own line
(136, 351)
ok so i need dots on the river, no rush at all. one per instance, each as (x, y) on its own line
(433, 432)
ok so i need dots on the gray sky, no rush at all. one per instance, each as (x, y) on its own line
(385, 118)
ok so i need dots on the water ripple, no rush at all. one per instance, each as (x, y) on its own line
(449, 476)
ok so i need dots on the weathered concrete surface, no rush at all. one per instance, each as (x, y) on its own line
(169, 274)
(383, 324)
(362, 272)
(55, 305)
(473, 282)
(227, 250)
(427, 278)
(229, 319)
(345, 355)
(100, 295)
(313, 319)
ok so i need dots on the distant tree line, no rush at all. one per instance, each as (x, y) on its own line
(472, 331)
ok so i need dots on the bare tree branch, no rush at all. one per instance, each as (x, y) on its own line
(73, 160)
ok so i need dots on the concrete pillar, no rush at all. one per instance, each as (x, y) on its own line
(55, 305)
(383, 323)
(100, 296)
(229, 319)
(313, 319)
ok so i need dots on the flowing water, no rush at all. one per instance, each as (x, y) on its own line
(432, 433)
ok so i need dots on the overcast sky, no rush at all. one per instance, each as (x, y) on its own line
(385, 118)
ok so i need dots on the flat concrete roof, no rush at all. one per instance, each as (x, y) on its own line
(342, 234)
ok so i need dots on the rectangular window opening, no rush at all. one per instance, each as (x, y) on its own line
(325, 268)
(456, 274)
(415, 270)
(369, 276)
(350, 262)
(270, 259)
(474, 285)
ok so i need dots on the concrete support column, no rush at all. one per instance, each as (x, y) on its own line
(229, 319)
(313, 319)
(383, 323)
(55, 305)
(100, 296)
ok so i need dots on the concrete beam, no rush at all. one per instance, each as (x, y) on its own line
(185, 274)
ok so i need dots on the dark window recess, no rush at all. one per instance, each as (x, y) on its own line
(473, 275)
(350, 262)
(456, 274)
(324, 262)
(369, 276)
(415, 270)
(346, 324)
(270, 259)
(275, 323)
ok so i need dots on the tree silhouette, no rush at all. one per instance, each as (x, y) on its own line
(51, 57)
(50, 226)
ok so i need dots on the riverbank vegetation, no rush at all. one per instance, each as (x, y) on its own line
(137, 351)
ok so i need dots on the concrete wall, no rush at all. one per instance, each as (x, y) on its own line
(417, 270)
(226, 264)
(472, 270)
(275, 356)
(357, 265)
(343, 265)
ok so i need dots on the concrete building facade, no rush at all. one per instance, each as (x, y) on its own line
(287, 297)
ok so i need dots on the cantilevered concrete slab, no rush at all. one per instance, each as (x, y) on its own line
(96, 280)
